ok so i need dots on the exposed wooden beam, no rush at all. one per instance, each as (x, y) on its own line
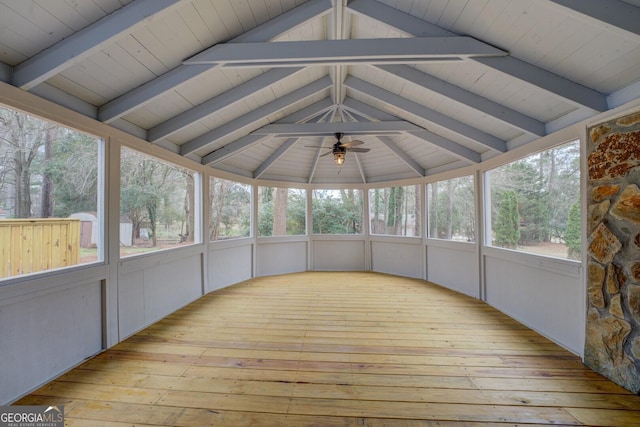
(308, 113)
(470, 99)
(166, 82)
(459, 151)
(367, 111)
(372, 113)
(398, 152)
(247, 120)
(232, 148)
(616, 13)
(363, 176)
(85, 42)
(551, 83)
(283, 148)
(329, 129)
(249, 140)
(6, 72)
(351, 51)
(392, 17)
(426, 113)
(216, 104)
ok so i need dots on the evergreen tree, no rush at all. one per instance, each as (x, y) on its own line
(507, 226)
(573, 234)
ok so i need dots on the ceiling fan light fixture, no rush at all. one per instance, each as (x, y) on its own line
(338, 157)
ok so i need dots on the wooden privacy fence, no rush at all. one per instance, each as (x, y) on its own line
(38, 244)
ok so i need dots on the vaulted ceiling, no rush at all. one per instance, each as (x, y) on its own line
(259, 87)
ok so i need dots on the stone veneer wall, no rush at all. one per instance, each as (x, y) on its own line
(612, 345)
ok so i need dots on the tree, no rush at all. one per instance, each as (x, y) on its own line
(22, 137)
(417, 223)
(73, 170)
(507, 225)
(337, 212)
(573, 233)
(530, 187)
(46, 205)
(145, 185)
(394, 219)
(280, 211)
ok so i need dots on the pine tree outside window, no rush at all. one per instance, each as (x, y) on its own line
(395, 211)
(452, 209)
(534, 203)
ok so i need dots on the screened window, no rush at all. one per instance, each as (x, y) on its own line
(535, 203)
(157, 204)
(452, 214)
(230, 209)
(281, 211)
(337, 211)
(51, 186)
(395, 210)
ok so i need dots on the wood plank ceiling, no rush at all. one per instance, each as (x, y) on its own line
(259, 87)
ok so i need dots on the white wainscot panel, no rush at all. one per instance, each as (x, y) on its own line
(399, 258)
(339, 255)
(151, 288)
(44, 335)
(545, 294)
(275, 257)
(454, 265)
(229, 264)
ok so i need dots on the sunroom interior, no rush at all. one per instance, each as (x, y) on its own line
(324, 103)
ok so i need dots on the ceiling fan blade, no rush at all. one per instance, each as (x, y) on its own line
(352, 143)
(359, 150)
(327, 153)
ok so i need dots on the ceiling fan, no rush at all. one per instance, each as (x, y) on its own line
(340, 149)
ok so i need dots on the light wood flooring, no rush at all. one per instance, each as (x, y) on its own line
(337, 349)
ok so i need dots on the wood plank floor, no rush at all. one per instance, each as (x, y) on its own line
(337, 349)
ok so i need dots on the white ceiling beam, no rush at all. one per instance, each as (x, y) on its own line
(224, 100)
(154, 88)
(428, 114)
(486, 106)
(553, 84)
(615, 13)
(261, 113)
(281, 130)
(85, 42)
(398, 152)
(351, 51)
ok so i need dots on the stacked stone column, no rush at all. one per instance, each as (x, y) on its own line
(612, 345)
